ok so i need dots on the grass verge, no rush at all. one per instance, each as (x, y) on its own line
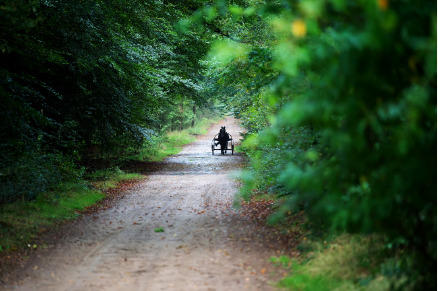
(347, 262)
(110, 178)
(22, 221)
(322, 262)
(172, 142)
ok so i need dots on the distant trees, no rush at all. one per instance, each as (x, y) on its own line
(340, 99)
(82, 75)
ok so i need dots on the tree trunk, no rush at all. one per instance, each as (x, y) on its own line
(194, 115)
(181, 118)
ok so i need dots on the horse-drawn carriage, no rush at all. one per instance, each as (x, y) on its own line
(224, 140)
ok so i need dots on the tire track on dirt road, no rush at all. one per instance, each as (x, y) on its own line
(204, 245)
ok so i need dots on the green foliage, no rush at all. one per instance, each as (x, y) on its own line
(202, 126)
(84, 78)
(346, 126)
(35, 172)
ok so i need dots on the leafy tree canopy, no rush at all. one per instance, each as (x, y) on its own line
(76, 75)
(340, 100)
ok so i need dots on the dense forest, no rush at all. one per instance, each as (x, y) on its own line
(339, 102)
(338, 99)
(87, 78)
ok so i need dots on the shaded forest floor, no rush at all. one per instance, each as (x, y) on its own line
(176, 229)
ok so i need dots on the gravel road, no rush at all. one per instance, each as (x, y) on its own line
(204, 245)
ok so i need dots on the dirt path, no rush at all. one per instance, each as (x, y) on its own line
(204, 246)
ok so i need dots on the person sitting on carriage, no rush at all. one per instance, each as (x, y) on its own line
(223, 138)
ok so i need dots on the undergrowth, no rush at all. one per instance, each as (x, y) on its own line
(171, 143)
(22, 221)
(345, 262)
(328, 262)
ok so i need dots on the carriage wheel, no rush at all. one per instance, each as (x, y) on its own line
(212, 149)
